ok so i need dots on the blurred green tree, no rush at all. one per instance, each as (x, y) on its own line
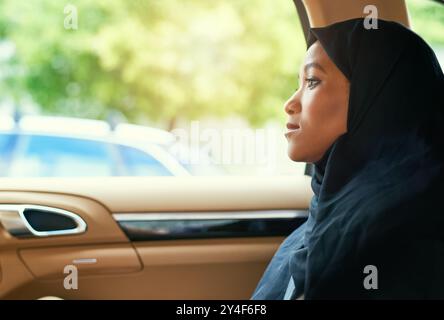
(162, 60)
(427, 19)
(157, 60)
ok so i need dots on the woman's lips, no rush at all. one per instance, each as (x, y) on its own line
(291, 128)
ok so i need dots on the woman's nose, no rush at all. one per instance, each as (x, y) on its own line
(292, 105)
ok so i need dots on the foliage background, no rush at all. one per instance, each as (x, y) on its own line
(160, 61)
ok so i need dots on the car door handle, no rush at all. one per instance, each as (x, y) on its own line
(26, 220)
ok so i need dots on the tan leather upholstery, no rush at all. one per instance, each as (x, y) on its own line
(324, 12)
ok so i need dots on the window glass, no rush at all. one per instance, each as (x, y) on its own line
(427, 20)
(47, 156)
(217, 72)
(7, 142)
(139, 163)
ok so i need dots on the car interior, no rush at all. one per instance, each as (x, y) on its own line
(157, 237)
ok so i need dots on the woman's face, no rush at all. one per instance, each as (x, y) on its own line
(317, 111)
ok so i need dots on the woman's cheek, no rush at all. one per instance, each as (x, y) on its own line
(315, 114)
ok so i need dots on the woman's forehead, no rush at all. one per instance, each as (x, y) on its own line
(316, 55)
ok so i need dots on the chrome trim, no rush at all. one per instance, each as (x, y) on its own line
(85, 261)
(215, 215)
(13, 219)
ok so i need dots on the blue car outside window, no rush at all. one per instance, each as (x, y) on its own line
(52, 156)
(7, 143)
(139, 163)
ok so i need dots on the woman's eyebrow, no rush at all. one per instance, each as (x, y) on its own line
(314, 65)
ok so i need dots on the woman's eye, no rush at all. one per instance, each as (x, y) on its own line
(312, 82)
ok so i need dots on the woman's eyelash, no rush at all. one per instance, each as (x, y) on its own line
(312, 82)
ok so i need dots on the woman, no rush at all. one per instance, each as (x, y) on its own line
(369, 116)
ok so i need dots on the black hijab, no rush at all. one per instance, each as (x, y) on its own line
(378, 188)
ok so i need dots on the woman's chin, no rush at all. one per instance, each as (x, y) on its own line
(299, 154)
(295, 154)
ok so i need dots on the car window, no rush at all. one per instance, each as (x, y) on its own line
(427, 19)
(139, 163)
(217, 73)
(7, 142)
(47, 156)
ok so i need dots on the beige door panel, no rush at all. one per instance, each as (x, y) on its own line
(188, 269)
(101, 227)
(140, 194)
(49, 263)
(112, 267)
